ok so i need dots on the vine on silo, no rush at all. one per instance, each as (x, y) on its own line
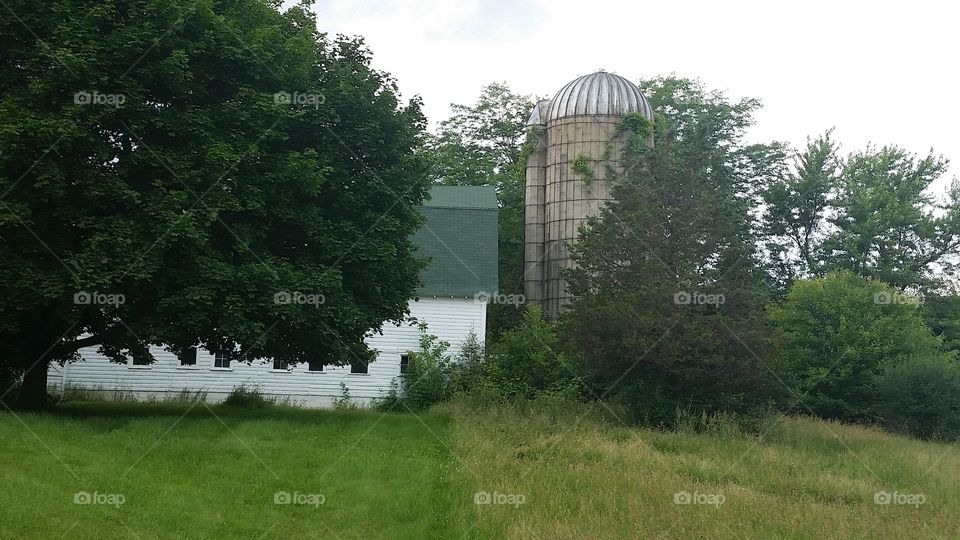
(581, 166)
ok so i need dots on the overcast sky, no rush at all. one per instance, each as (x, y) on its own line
(882, 72)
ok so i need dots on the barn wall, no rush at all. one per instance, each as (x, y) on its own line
(449, 319)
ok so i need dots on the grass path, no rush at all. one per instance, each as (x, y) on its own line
(217, 473)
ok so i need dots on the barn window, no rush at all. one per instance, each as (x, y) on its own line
(404, 362)
(141, 356)
(314, 365)
(221, 360)
(188, 357)
(280, 363)
(359, 366)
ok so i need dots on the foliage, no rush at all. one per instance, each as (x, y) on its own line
(487, 144)
(528, 361)
(669, 307)
(469, 364)
(248, 397)
(889, 226)
(203, 195)
(344, 400)
(431, 377)
(841, 332)
(428, 378)
(871, 212)
(581, 166)
(797, 203)
(941, 312)
(921, 398)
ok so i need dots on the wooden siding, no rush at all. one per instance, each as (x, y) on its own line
(448, 318)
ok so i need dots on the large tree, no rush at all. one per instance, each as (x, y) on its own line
(483, 145)
(874, 212)
(190, 173)
(797, 204)
(669, 295)
(889, 224)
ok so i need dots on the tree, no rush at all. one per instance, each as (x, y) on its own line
(211, 173)
(889, 225)
(483, 145)
(796, 210)
(841, 333)
(871, 212)
(669, 294)
(941, 312)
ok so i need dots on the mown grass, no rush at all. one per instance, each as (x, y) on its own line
(214, 473)
(558, 472)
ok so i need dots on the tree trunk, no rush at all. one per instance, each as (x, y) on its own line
(33, 391)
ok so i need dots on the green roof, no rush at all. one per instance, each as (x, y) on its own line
(460, 238)
(463, 197)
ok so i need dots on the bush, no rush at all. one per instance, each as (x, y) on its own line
(248, 397)
(841, 333)
(527, 361)
(468, 367)
(10, 379)
(428, 380)
(921, 398)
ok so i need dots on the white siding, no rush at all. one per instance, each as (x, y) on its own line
(451, 319)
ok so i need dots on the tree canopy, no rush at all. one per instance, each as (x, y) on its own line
(212, 173)
(872, 212)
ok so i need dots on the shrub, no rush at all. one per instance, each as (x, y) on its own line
(247, 397)
(428, 378)
(921, 398)
(527, 361)
(841, 333)
(942, 314)
(468, 367)
(344, 401)
(10, 379)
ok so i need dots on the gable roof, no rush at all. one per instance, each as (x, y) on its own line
(460, 238)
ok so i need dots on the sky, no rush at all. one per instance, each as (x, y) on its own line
(880, 72)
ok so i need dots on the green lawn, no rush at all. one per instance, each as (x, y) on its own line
(216, 473)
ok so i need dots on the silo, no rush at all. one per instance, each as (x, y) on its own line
(576, 139)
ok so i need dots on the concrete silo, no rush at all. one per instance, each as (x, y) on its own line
(577, 129)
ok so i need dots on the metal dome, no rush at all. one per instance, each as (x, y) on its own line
(599, 93)
(538, 117)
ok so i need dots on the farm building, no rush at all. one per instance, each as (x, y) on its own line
(459, 237)
(576, 143)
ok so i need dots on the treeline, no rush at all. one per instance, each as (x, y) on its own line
(727, 277)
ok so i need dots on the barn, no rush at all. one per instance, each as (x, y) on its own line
(460, 239)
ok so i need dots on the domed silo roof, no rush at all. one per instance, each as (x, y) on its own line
(538, 117)
(599, 93)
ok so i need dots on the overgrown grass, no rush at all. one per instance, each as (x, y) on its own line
(549, 470)
(581, 477)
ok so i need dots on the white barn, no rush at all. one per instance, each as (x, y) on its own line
(459, 237)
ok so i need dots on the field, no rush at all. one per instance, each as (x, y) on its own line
(98, 470)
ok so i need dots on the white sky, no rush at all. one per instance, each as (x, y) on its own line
(882, 72)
